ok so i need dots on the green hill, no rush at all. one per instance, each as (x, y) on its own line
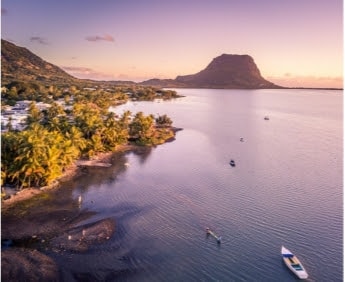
(19, 64)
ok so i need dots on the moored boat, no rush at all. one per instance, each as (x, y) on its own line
(293, 263)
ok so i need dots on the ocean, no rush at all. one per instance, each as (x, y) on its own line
(286, 189)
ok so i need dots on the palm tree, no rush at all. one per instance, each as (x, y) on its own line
(95, 145)
(122, 127)
(87, 118)
(54, 110)
(59, 155)
(163, 121)
(76, 138)
(68, 152)
(53, 124)
(9, 151)
(141, 128)
(31, 157)
(35, 116)
(40, 157)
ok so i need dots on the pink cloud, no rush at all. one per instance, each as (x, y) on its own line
(95, 38)
(78, 69)
(87, 73)
(39, 39)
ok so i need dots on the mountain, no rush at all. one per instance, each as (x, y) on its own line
(19, 64)
(228, 71)
(225, 71)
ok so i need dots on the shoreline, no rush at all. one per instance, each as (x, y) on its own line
(72, 171)
(99, 160)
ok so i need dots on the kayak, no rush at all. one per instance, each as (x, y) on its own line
(210, 232)
(293, 263)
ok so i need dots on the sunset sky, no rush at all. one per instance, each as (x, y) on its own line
(293, 42)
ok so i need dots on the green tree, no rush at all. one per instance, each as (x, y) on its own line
(28, 164)
(34, 115)
(52, 117)
(9, 151)
(95, 145)
(37, 156)
(163, 121)
(9, 125)
(142, 128)
(76, 138)
(87, 118)
(54, 110)
(109, 134)
(122, 127)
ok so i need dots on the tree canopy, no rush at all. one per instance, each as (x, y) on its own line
(54, 139)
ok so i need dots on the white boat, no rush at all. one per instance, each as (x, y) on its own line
(293, 263)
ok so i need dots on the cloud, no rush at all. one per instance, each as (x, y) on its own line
(95, 38)
(78, 69)
(39, 39)
(87, 73)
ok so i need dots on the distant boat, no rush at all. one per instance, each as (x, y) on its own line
(293, 263)
(210, 232)
(241, 139)
(266, 118)
(232, 163)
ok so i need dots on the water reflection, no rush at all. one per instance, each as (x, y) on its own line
(142, 153)
(286, 188)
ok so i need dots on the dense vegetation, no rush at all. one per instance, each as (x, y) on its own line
(111, 94)
(54, 138)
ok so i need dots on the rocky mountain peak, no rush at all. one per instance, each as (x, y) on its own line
(228, 71)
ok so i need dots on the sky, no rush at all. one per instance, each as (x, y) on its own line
(295, 43)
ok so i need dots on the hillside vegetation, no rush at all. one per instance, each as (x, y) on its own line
(74, 123)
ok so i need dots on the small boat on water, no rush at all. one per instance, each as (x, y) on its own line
(210, 232)
(232, 163)
(266, 118)
(293, 263)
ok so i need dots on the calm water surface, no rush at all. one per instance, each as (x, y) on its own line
(286, 189)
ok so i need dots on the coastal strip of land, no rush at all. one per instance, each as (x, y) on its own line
(100, 160)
